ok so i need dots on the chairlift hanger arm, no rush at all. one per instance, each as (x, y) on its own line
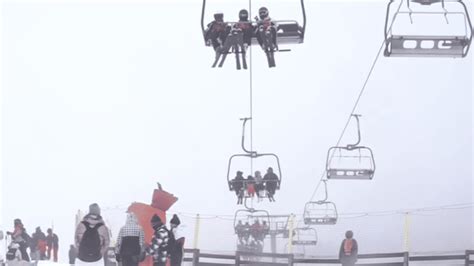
(304, 18)
(245, 119)
(469, 22)
(202, 18)
(386, 19)
(351, 146)
(325, 190)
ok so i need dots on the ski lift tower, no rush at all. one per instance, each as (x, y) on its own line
(278, 226)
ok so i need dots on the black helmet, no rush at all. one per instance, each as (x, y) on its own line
(243, 15)
(263, 12)
(219, 16)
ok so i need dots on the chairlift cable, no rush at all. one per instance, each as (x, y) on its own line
(364, 86)
(251, 94)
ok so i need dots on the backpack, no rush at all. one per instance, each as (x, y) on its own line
(90, 246)
(11, 254)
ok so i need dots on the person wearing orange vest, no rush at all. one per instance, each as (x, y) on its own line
(349, 250)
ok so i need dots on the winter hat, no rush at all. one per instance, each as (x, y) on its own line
(349, 234)
(175, 220)
(156, 221)
(17, 221)
(94, 209)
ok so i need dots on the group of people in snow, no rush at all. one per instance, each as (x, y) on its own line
(255, 185)
(41, 246)
(92, 241)
(223, 36)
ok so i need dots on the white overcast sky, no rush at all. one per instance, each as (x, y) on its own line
(102, 99)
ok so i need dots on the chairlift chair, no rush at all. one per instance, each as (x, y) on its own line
(288, 32)
(428, 45)
(305, 236)
(321, 212)
(351, 162)
(252, 155)
(250, 215)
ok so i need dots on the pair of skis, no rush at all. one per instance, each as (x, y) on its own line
(234, 41)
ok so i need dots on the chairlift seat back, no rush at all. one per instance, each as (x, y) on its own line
(350, 174)
(304, 242)
(320, 221)
(289, 32)
(427, 46)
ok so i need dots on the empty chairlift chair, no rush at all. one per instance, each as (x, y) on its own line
(305, 236)
(351, 162)
(428, 28)
(321, 212)
(290, 31)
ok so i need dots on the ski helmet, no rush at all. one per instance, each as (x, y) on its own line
(243, 15)
(263, 12)
(219, 16)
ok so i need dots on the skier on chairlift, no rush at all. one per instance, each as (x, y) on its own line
(266, 33)
(250, 186)
(239, 230)
(239, 38)
(271, 182)
(216, 34)
(238, 186)
(259, 186)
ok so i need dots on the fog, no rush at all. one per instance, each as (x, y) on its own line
(102, 99)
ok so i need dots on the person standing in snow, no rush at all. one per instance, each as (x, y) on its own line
(52, 242)
(72, 255)
(20, 237)
(176, 242)
(158, 248)
(91, 238)
(130, 242)
(349, 250)
(38, 245)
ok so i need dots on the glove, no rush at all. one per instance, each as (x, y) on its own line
(117, 257)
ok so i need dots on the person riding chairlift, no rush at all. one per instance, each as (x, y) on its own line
(271, 183)
(239, 39)
(250, 186)
(266, 33)
(238, 186)
(259, 186)
(216, 35)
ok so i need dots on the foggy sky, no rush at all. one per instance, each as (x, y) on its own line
(101, 100)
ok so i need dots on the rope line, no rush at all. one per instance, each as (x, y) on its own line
(349, 215)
